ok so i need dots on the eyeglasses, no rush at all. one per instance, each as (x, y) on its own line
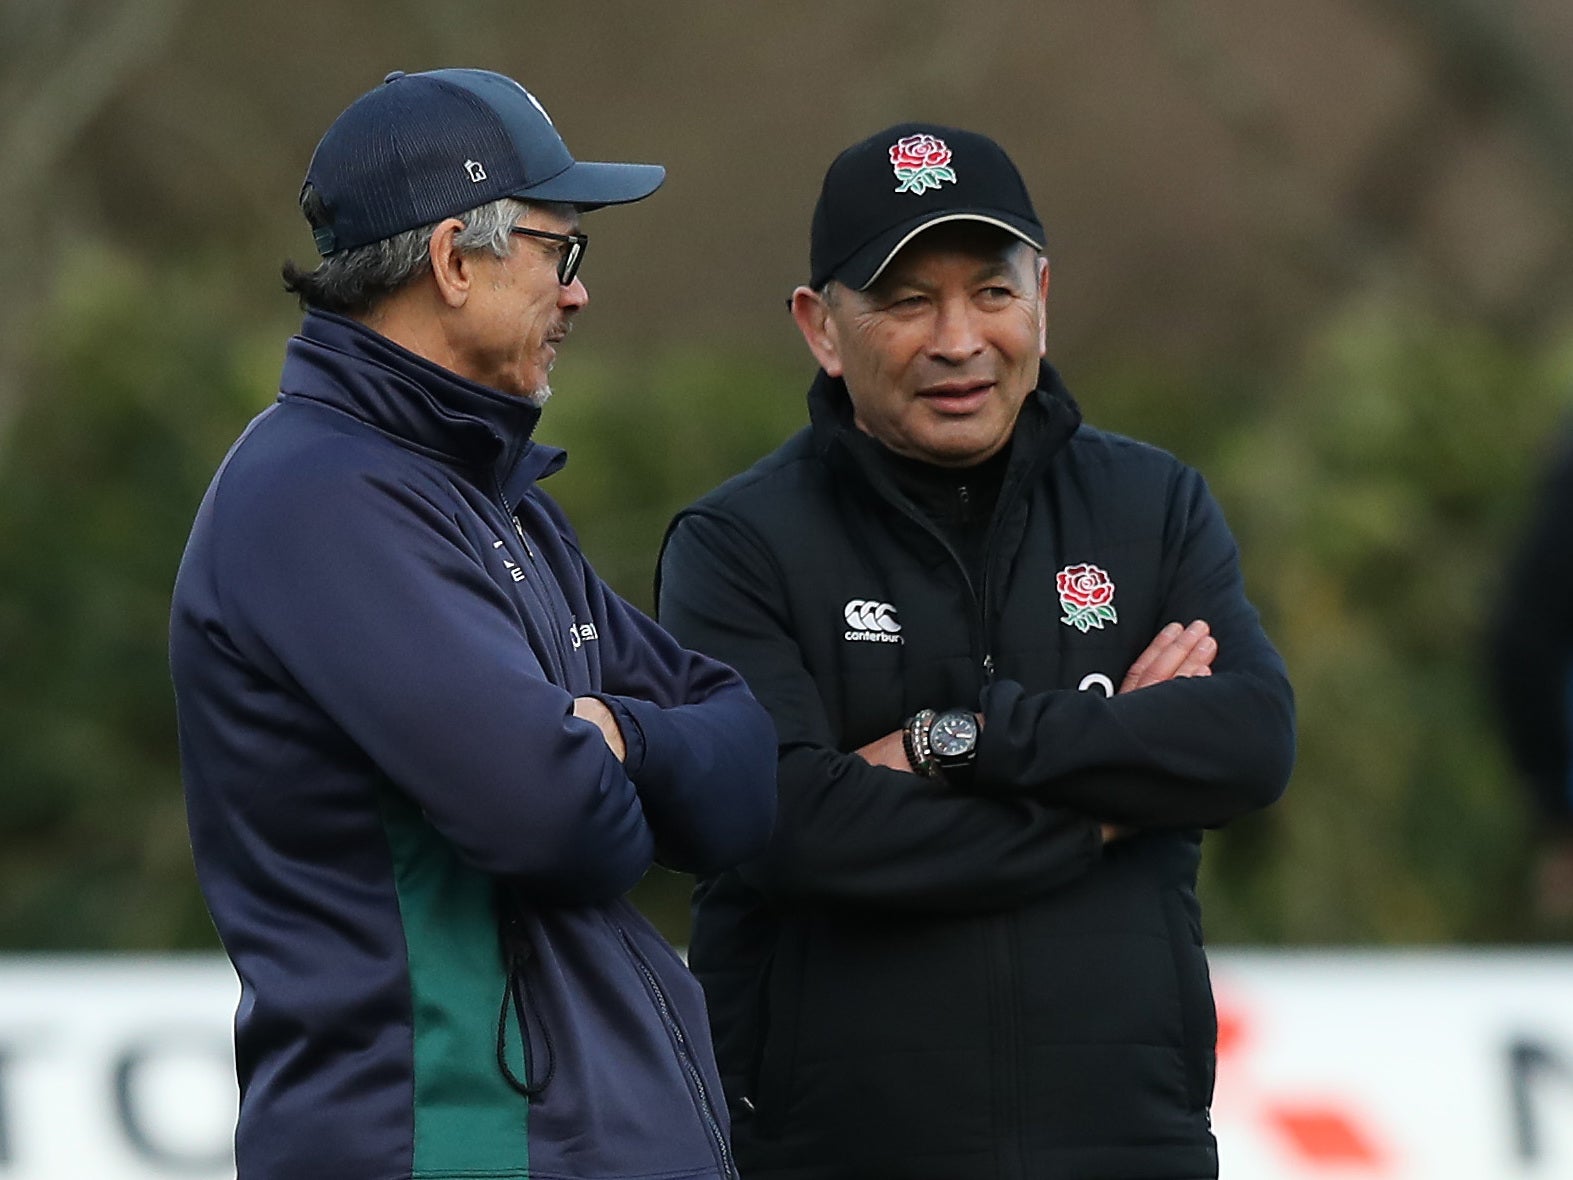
(572, 254)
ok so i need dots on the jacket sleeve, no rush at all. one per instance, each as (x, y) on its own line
(1531, 652)
(1187, 753)
(380, 611)
(701, 749)
(845, 830)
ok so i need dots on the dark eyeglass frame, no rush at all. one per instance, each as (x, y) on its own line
(573, 254)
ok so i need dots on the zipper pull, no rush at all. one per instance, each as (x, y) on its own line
(988, 667)
(523, 540)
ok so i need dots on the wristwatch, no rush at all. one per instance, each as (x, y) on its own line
(941, 744)
(953, 741)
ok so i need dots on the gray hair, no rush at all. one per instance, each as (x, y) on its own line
(352, 282)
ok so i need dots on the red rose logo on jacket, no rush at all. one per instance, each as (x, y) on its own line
(1086, 597)
(921, 162)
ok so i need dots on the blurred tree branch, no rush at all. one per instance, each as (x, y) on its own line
(61, 64)
(1485, 71)
(1481, 72)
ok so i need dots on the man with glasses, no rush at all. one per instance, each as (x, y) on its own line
(426, 750)
(1014, 673)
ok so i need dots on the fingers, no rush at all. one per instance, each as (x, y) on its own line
(1199, 661)
(1136, 677)
(594, 710)
(1175, 652)
(1190, 653)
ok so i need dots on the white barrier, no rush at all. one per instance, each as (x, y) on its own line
(1357, 1066)
(116, 1068)
(1425, 1065)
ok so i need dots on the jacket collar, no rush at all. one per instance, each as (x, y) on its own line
(1048, 419)
(340, 362)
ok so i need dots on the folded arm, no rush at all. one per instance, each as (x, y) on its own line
(383, 615)
(1191, 751)
(700, 748)
(845, 829)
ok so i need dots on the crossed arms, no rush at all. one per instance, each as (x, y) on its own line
(1201, 732)
(1175, 652)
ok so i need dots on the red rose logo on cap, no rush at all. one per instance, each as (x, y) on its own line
(921, 162)
(1086, 596)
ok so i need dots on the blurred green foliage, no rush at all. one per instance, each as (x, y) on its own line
(1374, 483)
(99, 482)
(1374, 501)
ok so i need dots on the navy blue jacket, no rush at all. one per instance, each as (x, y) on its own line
(414, 853)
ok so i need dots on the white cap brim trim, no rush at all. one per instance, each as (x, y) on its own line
(927, 225)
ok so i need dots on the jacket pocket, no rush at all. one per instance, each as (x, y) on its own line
(1198, 1016)
(706, 1096)
(771, 1086)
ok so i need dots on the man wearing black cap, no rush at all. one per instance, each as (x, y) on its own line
(1013, 673)
(426, 750)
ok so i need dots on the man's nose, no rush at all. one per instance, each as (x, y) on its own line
(958, 332)
(574, 296)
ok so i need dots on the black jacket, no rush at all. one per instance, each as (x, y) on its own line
(1531, 654)
(920, 981)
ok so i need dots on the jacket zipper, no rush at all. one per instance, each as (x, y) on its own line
(979, 596)
(538, 582)
(518, 527)
(684, 1056)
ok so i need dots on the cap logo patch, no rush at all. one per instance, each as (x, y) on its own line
(921, 162)
(1086, 597)
(476, 171)
(536, 103)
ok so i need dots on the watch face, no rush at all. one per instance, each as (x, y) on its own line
(953, 734)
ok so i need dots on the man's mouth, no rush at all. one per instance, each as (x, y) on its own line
(957, 397)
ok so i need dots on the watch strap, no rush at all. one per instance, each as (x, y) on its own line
(915, 743)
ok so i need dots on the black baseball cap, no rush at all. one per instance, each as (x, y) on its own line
(880, 193)
(425, 146)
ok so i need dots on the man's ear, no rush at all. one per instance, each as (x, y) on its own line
(812, 314)
(1043, 306)
(452, 269)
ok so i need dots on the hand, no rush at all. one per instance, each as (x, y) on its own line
(888, 751)
(594, 709)
(1174, 653)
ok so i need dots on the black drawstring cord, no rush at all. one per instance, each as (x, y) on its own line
(516, 993)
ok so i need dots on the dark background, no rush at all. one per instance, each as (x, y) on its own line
(1323, 250)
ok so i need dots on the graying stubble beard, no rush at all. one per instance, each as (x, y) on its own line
(539, 397)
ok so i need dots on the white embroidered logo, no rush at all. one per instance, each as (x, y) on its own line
(536, 103)
(509, 564)
(869, 621)
(476, 170)
(1096, 680)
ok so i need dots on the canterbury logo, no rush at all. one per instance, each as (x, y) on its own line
(871, 622)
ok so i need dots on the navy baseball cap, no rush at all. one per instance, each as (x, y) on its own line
(425, 146)
(881, 193)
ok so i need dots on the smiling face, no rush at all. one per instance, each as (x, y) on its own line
(940, 353)
(517, 312)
